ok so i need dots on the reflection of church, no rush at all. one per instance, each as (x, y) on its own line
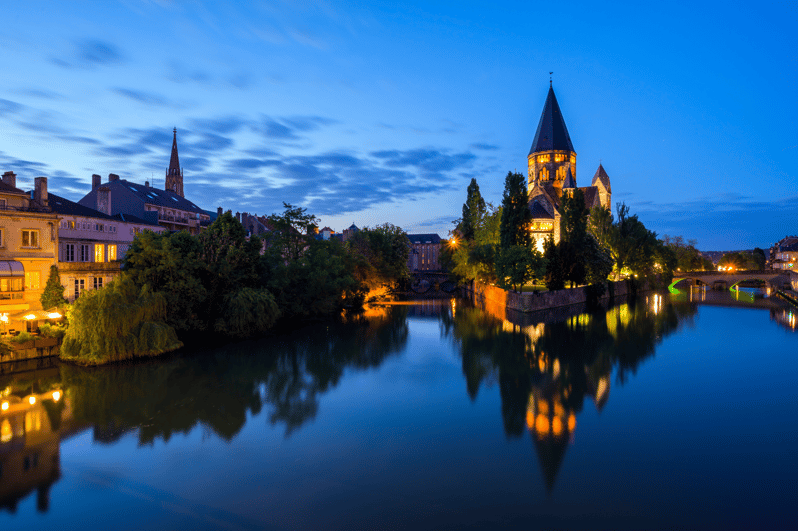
(552, 174)
(551, 411)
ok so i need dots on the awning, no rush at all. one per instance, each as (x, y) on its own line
(11, 268)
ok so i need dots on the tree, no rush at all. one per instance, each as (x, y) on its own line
(555, 266)
(384, 250)
(53, 294)
(292, 232)
(473, 211)
(514, 227)
(170, 264)
(516, 265)
(574, 218)
(474, 259)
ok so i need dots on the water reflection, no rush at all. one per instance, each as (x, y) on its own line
(35, 416)
(546, 364)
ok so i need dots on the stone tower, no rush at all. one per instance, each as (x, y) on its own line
(552, 153)
(174, 175)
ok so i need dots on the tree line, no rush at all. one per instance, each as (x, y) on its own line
(176, 287)
(495, 244)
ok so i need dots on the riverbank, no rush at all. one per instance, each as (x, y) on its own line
(535, 300)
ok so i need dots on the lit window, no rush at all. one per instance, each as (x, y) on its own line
(111, 252)
(32, 279)
(30, 238)
(99, 252)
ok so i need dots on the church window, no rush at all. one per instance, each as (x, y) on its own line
(544, 174)
(559, 157)
(544, 158)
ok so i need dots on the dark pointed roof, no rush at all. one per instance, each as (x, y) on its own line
(174, 162)
(538, 211)
(552, 133)
(602, 176)
(569, 182)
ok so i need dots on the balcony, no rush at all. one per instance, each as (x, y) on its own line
(172, 219)
(77, 267)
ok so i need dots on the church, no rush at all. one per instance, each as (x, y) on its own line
(552, 174)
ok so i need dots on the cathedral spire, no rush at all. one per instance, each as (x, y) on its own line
(174, 175)
(552, 133)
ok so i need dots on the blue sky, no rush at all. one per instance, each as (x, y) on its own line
(373, 112)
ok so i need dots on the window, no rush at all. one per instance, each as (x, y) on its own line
(11, 284)
(2, 204)
(111, 252)
(84, 253)
(99, 252)
(70, 224)
(2, 242)
(98, 282)
(32, 279)
(30, 238)
(69, 252)
(80, 286)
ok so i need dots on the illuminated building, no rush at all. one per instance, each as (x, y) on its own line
(552, 173)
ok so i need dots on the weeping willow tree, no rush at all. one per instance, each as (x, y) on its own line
(247, 312)
(117, 322)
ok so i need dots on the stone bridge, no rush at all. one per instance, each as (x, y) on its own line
(727, 280)
(429, 282)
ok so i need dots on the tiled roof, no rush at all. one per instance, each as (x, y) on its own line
(8, 189)
(538, 212)
(424, 238)
(552, 133)
(602, 176)
(156, 196)
(591, 196)
(569, 182)
(61, 205)
(129, 218)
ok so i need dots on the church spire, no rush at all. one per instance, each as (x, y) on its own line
(174, 175)
(552, 133)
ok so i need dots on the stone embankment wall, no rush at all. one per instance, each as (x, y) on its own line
(534, 301)
(34, 349)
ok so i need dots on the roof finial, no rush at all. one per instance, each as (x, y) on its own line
(175, 131)
(550, 73)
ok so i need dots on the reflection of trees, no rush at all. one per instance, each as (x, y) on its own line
(218, 388)
(546, 369)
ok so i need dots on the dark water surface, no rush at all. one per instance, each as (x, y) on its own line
(667, 412)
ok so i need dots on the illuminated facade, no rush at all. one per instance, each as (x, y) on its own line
(28, 245)
(552, 171)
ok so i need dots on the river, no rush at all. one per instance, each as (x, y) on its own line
(662, 412)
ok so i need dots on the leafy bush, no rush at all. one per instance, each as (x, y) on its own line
(48, 330)
(23, 337)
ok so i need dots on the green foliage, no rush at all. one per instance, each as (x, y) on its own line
(293, 231)
(22, 337)
(574, 218)
(515, 218)
(120, 321)
(600, 225)
(473, 211)
(169, 264)
(474, 259)
(48, 330)
(556, 273)
(517, 265)
(320, 282)
(381, 255)
(688, 258)
(53, 294)
(598, 262)
(743, 260)
(247, 312)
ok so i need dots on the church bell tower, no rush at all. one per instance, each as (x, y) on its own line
(174, 175)
(552, 155)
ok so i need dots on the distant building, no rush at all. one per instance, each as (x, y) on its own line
(167, 208)
(784, 254)
(552, 174)
(424, 252)
(350, 232)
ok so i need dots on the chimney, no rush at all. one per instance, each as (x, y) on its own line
(40, 190)
(238, 217)
(10, 178)
(219, 212)
(113, 177)
(95, 181)
(146, 184)
(104, 200)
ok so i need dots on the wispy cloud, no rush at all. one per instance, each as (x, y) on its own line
(92, 53)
